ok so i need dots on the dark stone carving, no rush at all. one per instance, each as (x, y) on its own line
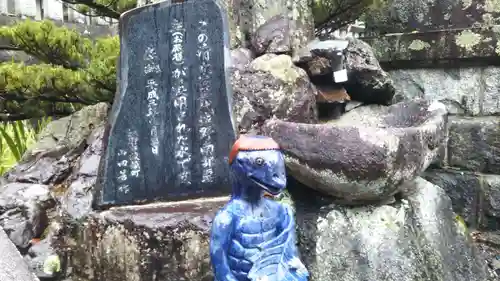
(170, 129)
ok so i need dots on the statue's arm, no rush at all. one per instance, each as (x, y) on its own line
(288, 224)
(220, 238)
(288, 219)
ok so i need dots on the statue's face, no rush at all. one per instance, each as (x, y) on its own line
(265, 169)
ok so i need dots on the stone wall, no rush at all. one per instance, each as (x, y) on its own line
(448, 51)
(469, 166)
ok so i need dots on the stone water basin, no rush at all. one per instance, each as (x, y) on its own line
(367, 153)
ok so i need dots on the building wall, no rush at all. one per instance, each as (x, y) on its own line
(47, 9)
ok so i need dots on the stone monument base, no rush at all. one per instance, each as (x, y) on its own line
(417, 237)
(162, 241)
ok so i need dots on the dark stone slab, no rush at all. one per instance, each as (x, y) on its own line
(475, 197)
(474, 144)
(463, 190)
(442, 48)
(445, 33)
(490, 185)
(414, 15)
(170, 129)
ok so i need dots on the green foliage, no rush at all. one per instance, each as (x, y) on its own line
(74, 71)
(49, 43)
(15, 138)
(108, 8)
(102, 66)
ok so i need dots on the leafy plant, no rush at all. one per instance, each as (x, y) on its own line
(15, 138)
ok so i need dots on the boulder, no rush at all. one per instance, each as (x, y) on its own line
(38, 259)
(316, 58)
(66, 159)
(417, 238)
(163, 241)
(273, 36)
(367, 81)
(247, 17)
(366, 154)
(23, 211)
(76, 201)
(12, 266)
(50, 160)
(272, 86)
(241, 57)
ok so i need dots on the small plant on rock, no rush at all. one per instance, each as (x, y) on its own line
(15, 138)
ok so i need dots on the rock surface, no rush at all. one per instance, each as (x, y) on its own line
(165, 241)
(23, 211)
(76, 202)
(398, 16)
(12, 266)
(246, 17)
(367, 81)
(474, 144)
(465, 91)
(271, 86)
(415, 239)
(367, 153)
(273, 36)
(60, 143)
(475, 197)
(53, 178)
(241, 57)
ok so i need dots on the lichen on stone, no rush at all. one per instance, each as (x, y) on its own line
(496, 29)
(487, 39)
(121, 251)
(418, 45)
(492, 6)
(489, 19)
(468, 40)
(280, 66)
(466, 4)
(461, 225)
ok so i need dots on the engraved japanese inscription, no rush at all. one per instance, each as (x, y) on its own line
(171, 128)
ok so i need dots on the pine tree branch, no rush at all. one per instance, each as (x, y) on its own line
(51, 98)
(9, 117)
(104, 10)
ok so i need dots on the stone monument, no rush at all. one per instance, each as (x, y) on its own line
(171, 126)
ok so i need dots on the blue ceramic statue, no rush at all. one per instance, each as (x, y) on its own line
(252, 237)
